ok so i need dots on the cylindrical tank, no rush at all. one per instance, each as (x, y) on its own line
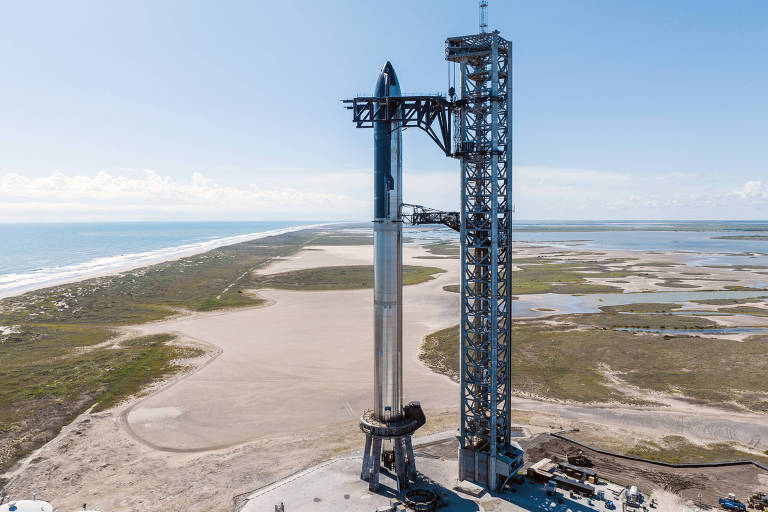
(26, 506)
(388, 256)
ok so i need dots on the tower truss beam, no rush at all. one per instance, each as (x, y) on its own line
(483, 146)
(418, 215)
(429, 113)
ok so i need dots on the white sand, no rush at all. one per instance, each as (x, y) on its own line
(335, 255)
(304, 362)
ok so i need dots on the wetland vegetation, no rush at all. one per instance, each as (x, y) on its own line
(742, 237)
(443, 248)
(539, 275)
(351, 277)
(567, 360)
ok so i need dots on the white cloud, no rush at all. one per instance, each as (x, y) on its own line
(132, 197)
(539, 193)
(558, 193)
(104, 186)
(753, 190)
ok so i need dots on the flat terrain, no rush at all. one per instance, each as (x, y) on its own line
(282, 387)
(285, 327)
(274, 361)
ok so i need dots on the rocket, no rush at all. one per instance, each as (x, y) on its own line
(389, 420)
(388, 257)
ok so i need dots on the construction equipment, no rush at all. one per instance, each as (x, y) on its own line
(759, 500)
(731, 503)
(579, 459)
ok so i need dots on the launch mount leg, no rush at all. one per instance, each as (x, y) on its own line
(402, 480)
(373, 480)
(411, 458)
(366, 471)
(399, 432)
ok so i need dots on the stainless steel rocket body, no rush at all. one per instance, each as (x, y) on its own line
(388, 257)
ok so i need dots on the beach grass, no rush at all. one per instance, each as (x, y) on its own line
(675, 283)
(342, 239)
(440, 352)
(676, 449)
(146, 360)
(203, 282)
(57, 360)
(353, 277)
(443, 248)
(54, 372)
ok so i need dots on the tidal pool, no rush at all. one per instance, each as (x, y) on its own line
(720, 330)
(526, 305)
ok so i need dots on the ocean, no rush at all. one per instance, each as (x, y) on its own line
(38, 255)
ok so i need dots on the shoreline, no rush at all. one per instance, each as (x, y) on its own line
(125, 262)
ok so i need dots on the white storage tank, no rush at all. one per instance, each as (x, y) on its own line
(26, 506)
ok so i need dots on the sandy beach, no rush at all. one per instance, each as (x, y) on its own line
(281, 388)
(16, 284)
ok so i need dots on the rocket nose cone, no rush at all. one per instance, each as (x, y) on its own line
(387, 84)
(390, 72)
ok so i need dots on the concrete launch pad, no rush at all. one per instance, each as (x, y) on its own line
(335, 486)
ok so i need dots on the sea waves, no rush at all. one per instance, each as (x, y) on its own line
(15, 283)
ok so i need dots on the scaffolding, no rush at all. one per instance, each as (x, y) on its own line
(483, 146)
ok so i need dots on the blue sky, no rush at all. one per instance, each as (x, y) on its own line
(229, 110)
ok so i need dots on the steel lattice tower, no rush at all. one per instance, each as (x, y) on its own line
(481, 139)
(483, 145)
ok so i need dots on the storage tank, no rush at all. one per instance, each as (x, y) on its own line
(26, 506)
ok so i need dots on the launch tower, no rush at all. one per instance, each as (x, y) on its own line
(475, 127)
(483, 145)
